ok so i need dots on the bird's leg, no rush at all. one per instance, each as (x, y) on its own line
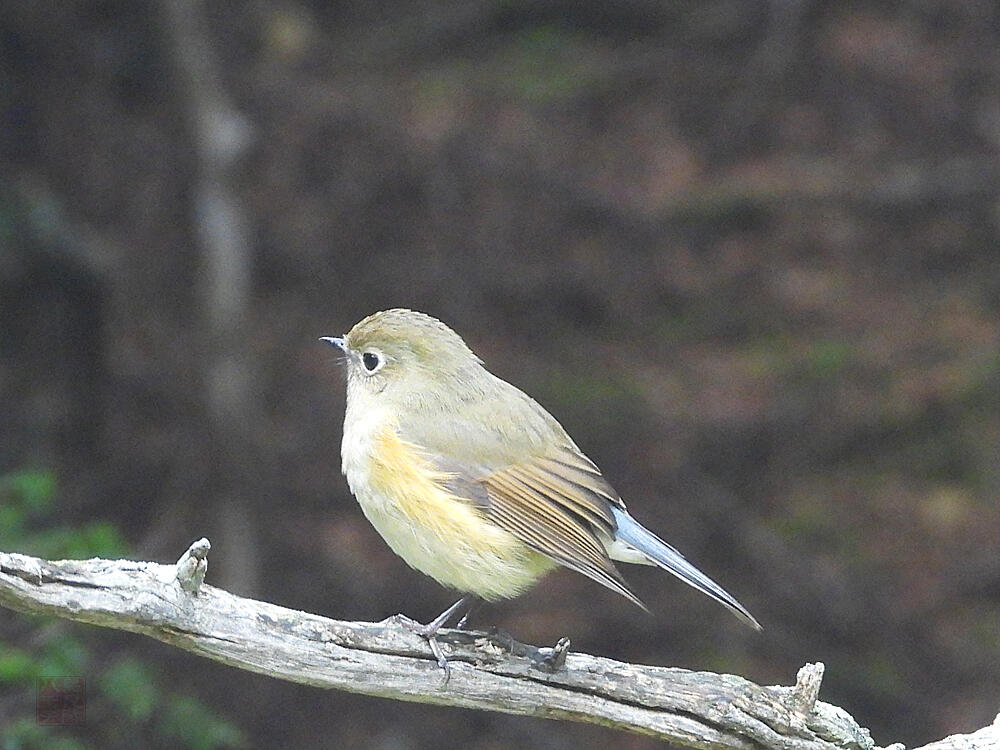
(439, 622)
(429, 631)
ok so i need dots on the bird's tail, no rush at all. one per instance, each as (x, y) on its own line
(660, 553)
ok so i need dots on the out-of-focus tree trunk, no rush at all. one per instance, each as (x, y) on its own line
(221, 136)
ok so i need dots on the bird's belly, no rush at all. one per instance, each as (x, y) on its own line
(434, 531)
(473, 562)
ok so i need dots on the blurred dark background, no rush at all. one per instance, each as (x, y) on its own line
(747, 252)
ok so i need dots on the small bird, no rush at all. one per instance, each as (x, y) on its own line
(470, 481)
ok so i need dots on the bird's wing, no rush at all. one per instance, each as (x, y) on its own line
(557, 509)
(510, 457)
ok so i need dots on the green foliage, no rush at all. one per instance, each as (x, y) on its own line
(95, 539)
(129, 684)
(28, 501)
(62, 655)
(127, 705)
(27, 734)
(36, 489)
(189, 722)
(132, 689)
(56, 653)
(16, 664)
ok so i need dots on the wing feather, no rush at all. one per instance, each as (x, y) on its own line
(510, 493)
(574, 498)
(560, 526)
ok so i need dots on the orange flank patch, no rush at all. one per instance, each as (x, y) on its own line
(439, 533)
(400, 472)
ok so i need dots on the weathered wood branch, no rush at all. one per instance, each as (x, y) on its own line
(488, 670)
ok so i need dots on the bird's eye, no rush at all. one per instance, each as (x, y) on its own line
(371, 361)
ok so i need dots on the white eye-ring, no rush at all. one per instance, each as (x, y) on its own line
(373, 361)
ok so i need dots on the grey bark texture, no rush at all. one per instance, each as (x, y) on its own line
(488, 670)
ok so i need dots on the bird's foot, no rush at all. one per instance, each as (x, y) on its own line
(429, 631)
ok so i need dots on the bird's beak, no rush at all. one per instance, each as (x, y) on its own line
(333, 341)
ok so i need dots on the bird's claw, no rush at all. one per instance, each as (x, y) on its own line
(428, 633)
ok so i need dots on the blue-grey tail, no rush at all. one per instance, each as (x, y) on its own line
(662, 554)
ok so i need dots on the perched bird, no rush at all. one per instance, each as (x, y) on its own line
(470, 481)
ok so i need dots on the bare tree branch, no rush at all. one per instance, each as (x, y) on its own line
(987, 738)
(489, 670)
